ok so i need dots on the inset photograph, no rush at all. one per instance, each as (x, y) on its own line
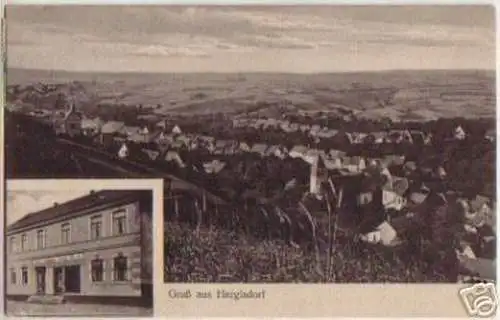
(79, 252)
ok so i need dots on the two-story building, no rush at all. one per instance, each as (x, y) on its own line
(91, 248)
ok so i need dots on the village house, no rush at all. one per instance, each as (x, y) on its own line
(95, 246)
(221, 146)
(354, 164)
(161, 125)
(294, 127)
(393, 196)
(173, 157)
(143, 137)
(326, 134)
(214, 166)
(277, 151)
(383, 234)
(151, 154)
(332, 163)
(109, 130)
(459, 133)
(244, 147)
(71, 123)
(123, 152)
(393, 160)
(128, 131)
(315, 129)
(299, 151)
(176, 130)
(342, 139)
(333, 153)
(259, 148)
(304, 128)
(420, 138)
(491, 135)
(399, 136)
(163, 138)
(358, 137)
(378, 137)
(91, 127)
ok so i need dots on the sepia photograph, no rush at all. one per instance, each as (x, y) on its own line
(79, 252)
(299, 144)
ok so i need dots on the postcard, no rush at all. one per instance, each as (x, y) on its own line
(306, 160)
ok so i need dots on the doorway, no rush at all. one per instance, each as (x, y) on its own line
(72, 279)
(40, 280)
(59, 280)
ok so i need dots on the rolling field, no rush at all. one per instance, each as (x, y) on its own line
(400, 95)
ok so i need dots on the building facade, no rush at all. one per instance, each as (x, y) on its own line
(99, 246)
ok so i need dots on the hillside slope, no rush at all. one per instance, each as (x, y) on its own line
(401, 95)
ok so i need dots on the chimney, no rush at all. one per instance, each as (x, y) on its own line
(56, 204)
(92, 191)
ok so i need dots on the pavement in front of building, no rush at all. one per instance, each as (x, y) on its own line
(17, 308)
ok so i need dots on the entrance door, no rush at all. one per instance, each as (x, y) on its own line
(40, 280)
(59, 280)
(72, 279)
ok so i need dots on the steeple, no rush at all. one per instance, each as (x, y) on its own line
(71, 108)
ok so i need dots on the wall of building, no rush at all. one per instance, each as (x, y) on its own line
(108, 287)
(81, 251)
(80, 232)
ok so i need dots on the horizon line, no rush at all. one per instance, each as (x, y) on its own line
(251, 72)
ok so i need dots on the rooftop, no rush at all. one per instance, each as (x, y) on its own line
(74, 207)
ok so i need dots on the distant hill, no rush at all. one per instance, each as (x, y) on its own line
(401, 95)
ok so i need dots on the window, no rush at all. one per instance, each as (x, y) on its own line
(24, 242)
(97, 269)
(65, 233)
(40, 239)
(13, 276)
(24, 275)
(119, 223)
(120, 268)
(95, 227)
(12, 244)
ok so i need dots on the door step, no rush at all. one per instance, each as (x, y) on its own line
(46, 299)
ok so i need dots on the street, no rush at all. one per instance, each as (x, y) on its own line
(19, 308)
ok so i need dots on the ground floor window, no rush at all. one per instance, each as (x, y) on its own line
(120, 268)
(97, 270)
(24, 275)
(13, 276)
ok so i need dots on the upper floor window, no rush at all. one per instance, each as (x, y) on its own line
(120, 268)
(97, 269)
(40, 239)
(24, 242)
(95, 227)
(65, 233)
(12, 244)
(119, 222)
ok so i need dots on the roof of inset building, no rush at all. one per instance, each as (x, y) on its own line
(76, 207)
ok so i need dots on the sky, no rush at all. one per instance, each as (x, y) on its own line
(20, 203)
(298, 39)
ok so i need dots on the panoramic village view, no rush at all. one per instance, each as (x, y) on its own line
(376, 176)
